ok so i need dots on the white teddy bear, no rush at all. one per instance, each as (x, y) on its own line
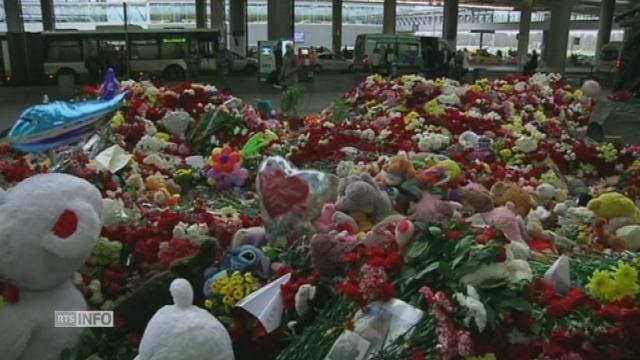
(184, 331)
(49, 225)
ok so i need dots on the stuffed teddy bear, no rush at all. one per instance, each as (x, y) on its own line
(504, 218)
(48, 228)
(397, 170)
(363, 200)
(476, 201)
(613, 205)
(434, 209)
(184, 331)
(255, 236)
(606, 239)
(504, 193)
(327, 253)
(158, 191)
(630, 234)
(333, 220)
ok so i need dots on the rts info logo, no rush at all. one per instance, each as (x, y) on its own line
(84, 319)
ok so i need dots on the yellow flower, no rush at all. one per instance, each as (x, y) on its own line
(434, 108)
(163, 136)
(602, 286)
(228, 212)
(507, 88)
(238, 294)
(229, 300)
(506, 153)
(624, 289)
(117, 120)
(626, 273)
(208, 304)
(489, 356)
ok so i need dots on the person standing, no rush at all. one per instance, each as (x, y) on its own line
(193, 64)
(532, 65)
(389, 59)
(290, 68)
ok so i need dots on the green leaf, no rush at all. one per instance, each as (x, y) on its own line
(428, 269)
(409, 274)
(417, 249)
(517, 303)
(435, 231)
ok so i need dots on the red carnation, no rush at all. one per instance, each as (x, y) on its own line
(455, 235)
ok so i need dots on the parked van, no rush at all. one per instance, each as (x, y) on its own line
(411, 52)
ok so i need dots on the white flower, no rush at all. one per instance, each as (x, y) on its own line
(475, 308)
(520, 86)
(368, 134)
(345, 168)
(151, 91)
(151, 144)
(493, 116)
(189, 92)
(432, 141)
(526, 144)
(196, 233)
(114, 211)
(512, 270)
(449, 99)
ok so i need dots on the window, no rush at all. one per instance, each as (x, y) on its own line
(174, 48)
(144, 50)
(408, 53)
(326, 56)
(64, 51)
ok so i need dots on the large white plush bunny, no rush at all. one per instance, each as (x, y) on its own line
(184, 332)
(49, 225)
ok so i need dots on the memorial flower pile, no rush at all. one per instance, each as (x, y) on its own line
(413, 219)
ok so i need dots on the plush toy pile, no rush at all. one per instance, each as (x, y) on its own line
(414, 219)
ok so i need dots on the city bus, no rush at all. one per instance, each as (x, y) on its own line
(160, 52)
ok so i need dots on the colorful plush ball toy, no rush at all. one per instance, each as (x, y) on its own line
(226, 168)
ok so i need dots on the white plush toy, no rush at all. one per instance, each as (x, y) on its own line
(184, 332)
(49, 225)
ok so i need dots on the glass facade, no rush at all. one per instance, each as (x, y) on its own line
(85, 14)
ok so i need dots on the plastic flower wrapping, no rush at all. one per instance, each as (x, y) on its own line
(413, 219)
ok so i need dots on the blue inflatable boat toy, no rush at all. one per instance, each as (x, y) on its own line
(48, 126)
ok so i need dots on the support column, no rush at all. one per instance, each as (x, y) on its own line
(238, 26)
(389, 17)
(607, 9)
(559, 35)
(280, 18)
(13, 13)
(450, 22)
(336, 25)
(201, 14)
(217, 14)
(525, 29)
(48, 15)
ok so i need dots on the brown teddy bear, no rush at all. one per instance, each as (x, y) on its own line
(523, 200)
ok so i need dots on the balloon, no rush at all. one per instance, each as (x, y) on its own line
(48, 126)
(111, 86)
(291, 198)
